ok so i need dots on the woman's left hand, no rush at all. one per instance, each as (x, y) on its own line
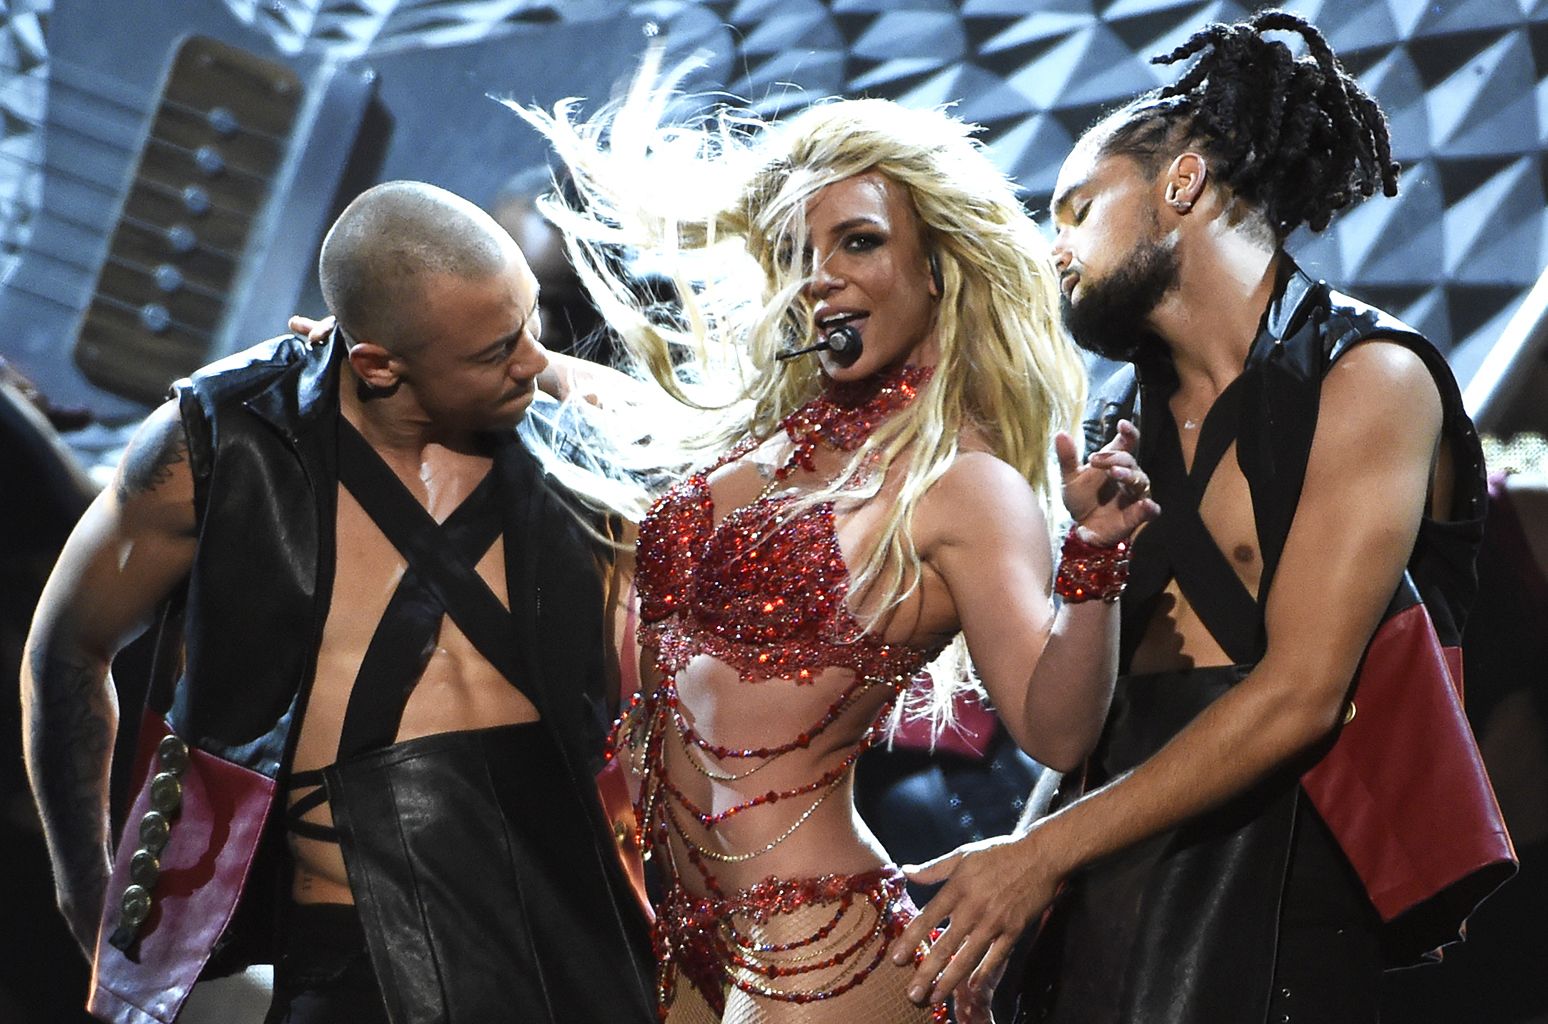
(1109, 495)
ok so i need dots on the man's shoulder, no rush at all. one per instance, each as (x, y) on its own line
(277, 377)
(1325, 325)
(1389, 346)
(1350, 321)
(241, 372)
(1380, 365)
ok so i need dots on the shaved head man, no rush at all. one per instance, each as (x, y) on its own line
(381, 683)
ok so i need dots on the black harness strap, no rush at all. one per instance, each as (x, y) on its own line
(453, 581)
(441, 580)
(1178, 544)
(1271, 415)
(316, 798)
(1203, 572)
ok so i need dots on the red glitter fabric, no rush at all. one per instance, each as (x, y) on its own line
(763, 591)
(707, 938)
(1091, 573)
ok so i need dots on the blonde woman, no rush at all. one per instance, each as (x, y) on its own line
(855, 512)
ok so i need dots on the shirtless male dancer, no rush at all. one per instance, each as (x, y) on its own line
(379, 618)
(1286, 798)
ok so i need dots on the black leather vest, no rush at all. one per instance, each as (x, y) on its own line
(262, 428)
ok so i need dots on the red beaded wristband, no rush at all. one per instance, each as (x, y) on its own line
(1088, 572)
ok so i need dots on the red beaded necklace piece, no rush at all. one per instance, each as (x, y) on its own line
(844, 415)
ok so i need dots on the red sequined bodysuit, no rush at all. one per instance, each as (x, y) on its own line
(764, 592)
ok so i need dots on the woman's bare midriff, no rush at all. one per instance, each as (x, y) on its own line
(731, 712)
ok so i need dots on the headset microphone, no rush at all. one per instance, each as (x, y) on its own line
(844, 345)
(843, 342)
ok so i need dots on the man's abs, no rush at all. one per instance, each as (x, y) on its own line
(458, 690)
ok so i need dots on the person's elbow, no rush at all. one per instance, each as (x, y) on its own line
(1307, 700)
(1064, 760)
(1063, 749)
(56, 653)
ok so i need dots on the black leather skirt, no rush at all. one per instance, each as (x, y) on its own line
(1190, 926)
(483, 886)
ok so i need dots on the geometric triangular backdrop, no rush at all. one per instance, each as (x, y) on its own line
(1464, 83)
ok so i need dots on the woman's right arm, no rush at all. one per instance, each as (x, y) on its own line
(1050, 673)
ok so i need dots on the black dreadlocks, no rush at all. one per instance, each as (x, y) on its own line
(1297, 138)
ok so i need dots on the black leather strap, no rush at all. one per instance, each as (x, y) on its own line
(316, 798)
(1203, 572)
(1178, 544)
(441, 579)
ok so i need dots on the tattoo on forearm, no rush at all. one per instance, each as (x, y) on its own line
(149, 460)
(70, 734)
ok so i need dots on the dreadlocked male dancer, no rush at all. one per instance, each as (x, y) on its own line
(376, 762)
(857, 510)
(1286, 797)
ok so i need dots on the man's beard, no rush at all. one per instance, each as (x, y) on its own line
(1110, 319)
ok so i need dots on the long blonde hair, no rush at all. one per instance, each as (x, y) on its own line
(719, 206)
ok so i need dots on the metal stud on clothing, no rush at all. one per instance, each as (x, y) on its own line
(166, 797)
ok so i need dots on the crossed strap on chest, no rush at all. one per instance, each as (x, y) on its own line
(441, 580)
(1179, 545)
(1270, 413)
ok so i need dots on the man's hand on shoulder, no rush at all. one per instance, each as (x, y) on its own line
(568, 376)
(314, 331)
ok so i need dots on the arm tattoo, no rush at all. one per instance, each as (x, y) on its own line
(70, 737)
(150, 457)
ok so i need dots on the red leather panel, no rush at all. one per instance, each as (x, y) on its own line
(1404, 788)
(203, 868)
(968, 736)
(613, 788)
